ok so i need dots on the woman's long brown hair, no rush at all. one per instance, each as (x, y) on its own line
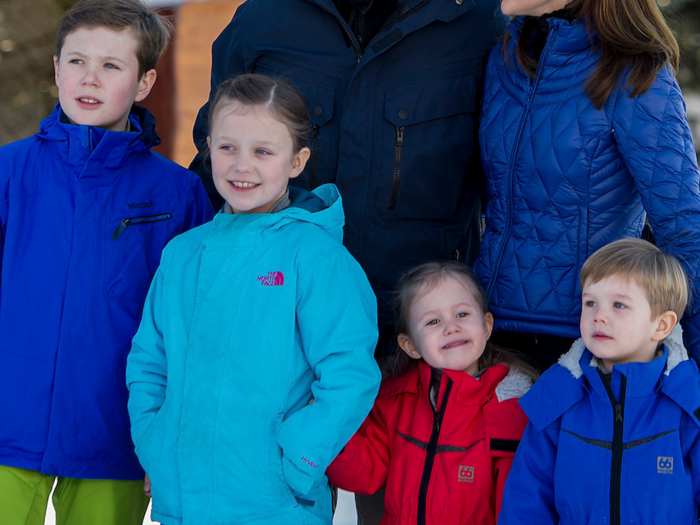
(634, 38)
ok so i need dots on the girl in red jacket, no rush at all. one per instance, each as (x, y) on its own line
(444, 428)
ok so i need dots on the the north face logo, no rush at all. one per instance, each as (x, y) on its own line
(271, 279)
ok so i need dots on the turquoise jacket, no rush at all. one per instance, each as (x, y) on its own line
(248, 319)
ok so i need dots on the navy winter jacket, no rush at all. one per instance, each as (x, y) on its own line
(84, 215)
(393, 126)
(624, 453)
(564, 179)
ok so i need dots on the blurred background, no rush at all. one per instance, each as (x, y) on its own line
(27, 45)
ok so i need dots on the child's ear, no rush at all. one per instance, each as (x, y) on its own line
(665, 323)
(146, 84)
(209, 142)
(55, 68)
(488, 324)
(407, 346)
(299, 162)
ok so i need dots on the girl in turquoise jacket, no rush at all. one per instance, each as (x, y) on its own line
(253, 364)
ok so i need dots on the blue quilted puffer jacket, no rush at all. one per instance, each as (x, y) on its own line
(564, 179)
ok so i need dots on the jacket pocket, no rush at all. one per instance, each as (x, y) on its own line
(132, 249)
(320, 100)
(427, 140)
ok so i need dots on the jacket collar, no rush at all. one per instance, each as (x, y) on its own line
(499, 380)
(78, 143)
(642, 377)
(322, 207)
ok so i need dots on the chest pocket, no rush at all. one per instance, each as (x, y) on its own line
(427, 141)
(320, 99)
(133, 243)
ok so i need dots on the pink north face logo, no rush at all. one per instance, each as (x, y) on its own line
(271, 279)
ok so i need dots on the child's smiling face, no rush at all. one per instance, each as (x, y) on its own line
(617, 324)
(97, 74)
(447, 328)
(252, 157)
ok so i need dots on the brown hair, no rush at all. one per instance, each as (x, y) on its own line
(151, 30)
(278, 95)
(660, 275)
(421, 280)
(635, 41)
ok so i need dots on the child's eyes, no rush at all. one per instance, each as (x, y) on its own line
(619, 305)
(75, 61)
(589, 304)
(226, 147)
(110, 66)
(462, 314)
(433, 322)
(262, 152)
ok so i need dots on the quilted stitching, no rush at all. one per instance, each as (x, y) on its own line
(580, 179)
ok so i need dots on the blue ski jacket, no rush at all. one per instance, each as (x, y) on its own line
(626, 452)
(84, 216)
(248, 319)
(564, 179)
(393, 123)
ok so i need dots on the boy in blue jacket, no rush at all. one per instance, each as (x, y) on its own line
(85, 209)
(614, 430)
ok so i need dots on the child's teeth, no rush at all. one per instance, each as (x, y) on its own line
(243, 184)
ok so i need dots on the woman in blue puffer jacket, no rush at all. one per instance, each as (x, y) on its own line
(583, 136)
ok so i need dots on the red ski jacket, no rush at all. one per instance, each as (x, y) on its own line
(444, 466)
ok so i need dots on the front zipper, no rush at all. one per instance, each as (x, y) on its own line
(396, 180)
(617, 448)
(430, 458)
(506, 234)
(358, 49)
(140, 220)
(313, 169)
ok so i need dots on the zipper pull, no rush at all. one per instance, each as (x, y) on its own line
(399, 136)
(121, 228)
(618, 413)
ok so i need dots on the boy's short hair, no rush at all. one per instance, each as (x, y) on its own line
(660, 275)
(151, 30)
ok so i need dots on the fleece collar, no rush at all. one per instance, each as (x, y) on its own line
(677, 353)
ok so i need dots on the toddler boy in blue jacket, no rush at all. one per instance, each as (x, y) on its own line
(85, 209)
(614, 430)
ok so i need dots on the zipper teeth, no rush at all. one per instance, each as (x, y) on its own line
(313, 169)
(617, 448)
(358, 51)
(509, 176)
(139, 220)
(398, 154)
(430, 459)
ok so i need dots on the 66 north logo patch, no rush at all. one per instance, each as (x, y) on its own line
(664, 465)
(466, 474)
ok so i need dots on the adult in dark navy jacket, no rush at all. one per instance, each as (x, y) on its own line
(393, 90)
(583, 135)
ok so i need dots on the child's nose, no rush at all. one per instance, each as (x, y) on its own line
(451, 327)
(90, 78)
(244, 165)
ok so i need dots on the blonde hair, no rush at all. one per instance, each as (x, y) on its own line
(660, 275)
(422, 280)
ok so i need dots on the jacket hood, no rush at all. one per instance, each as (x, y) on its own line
(323, 207)
(573, 359)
